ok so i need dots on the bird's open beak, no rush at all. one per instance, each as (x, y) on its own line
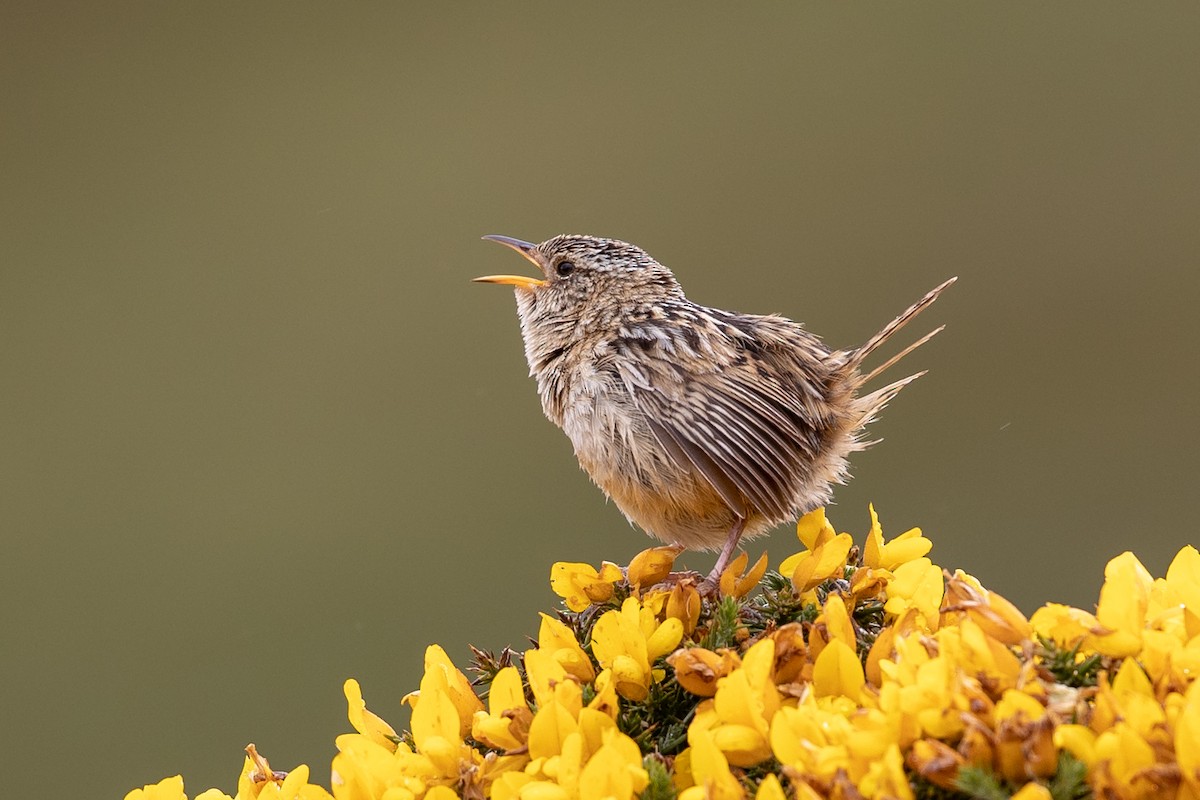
(520, 281)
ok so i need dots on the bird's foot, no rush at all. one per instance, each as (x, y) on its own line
(711, 585)
(681, 576)
(673, 579)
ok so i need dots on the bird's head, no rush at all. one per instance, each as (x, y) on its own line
(585, 279)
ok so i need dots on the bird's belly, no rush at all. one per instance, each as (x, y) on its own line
(616, 448)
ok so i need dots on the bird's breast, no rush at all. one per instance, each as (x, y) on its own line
(583, 394)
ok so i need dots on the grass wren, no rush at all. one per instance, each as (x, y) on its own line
(704, 426)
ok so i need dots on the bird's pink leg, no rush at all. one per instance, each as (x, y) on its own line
(735, 535)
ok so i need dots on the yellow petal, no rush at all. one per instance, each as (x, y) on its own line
(748, 696)
(998, 618)
(364, 721)
(791, 653)
(665, 638)
(1024, 737)
(867, 582)
(873, 548)
(977, 747)
(826, 561)
(494, 731)
(651, 566)
(908, 546)
(543, 790)
(742, 745)
(619, 633)
(1187, 738)
(212, 794)
(1015, 703)
(793, 733)
(751, 578)
(166, 789)
(916, 584)
(885, 777)
(544, 672)
(1078, 740)
(936, 762)
(596, 728)
(609, 572)
(605, 700)
(557, 638)
(506, 692)
(837, 620)
(551, 726)
(813, 529)
(613, 771)
(1183, 584)
(508, 786)
(1183, 573)
(505, 726)
(631, 678)
(880, 650)
(770, 789)
(1064, 625)
(1131, 679)
(580, 585)
(838, 671)
(434, 717)
(1121, 611)
(1126, 753)
(684, 604)
(789, 564)
(710, 770)
(697, 670)
(442, 676)
(728, 582)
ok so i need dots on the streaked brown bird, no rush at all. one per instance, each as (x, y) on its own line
(704, 426)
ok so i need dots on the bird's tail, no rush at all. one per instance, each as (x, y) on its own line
(871, 404)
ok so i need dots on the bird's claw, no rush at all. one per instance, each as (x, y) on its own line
(674, 579)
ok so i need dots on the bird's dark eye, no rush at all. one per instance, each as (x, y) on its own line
(564, 268)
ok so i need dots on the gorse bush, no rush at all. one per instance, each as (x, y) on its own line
(850, 671)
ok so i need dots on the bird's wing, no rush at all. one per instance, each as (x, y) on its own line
(733, 419)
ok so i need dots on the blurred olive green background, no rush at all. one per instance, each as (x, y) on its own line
(259, 432)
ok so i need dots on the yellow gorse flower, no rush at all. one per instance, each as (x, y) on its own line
(650, 567)
(698, 669)
(708, 776)
(739, 715)
(366, 723)
(908, 546)
(684, 604)
(556, 639)
(580, 585)
(627, 643)
(505, 724)
(737, 581)
(166, 789)
(256, 782)
(853, 672)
